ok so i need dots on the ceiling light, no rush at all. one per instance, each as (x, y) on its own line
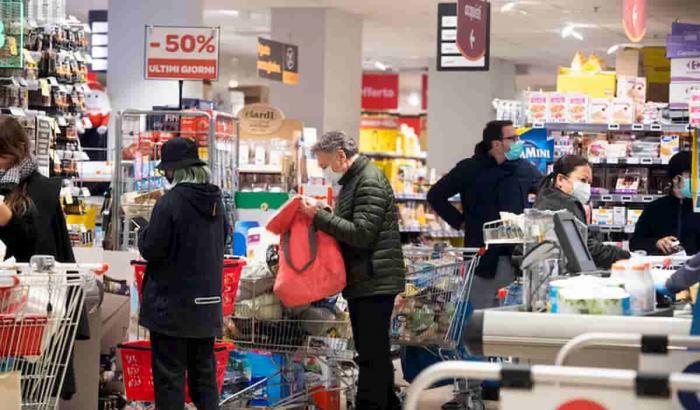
(575, 34)
(570, 31)
(380, 66)
(233, 84)
(508, 6)
(228, 13)
(414, 100)
(613, 49)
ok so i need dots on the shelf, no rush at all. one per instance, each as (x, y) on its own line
(628, 229)
(260, 169)
(419, 197)
(434, 233)
(603, 128)
(390, 155)
(641, 161)
(625, 198)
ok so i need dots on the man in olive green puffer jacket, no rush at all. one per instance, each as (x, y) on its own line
(365, 223)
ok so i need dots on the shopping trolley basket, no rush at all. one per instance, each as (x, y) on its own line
(40, 307)
(563, 388)
(433, 309)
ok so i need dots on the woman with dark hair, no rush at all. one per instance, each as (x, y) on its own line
(31, 217)
(568, 187)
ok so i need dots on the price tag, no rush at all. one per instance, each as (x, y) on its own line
(17, 112)
(538, 125)
(614, 127)
(595, 160)
(633, 160)
(62, 121)
(655, 127)
(607, 198)
(45, 88)
(626, 198)
(637, 127)
(647, 161)
(613, 161)
(68, 199)
(646, 199)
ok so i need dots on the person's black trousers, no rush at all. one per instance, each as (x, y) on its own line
(173, 357)
(371, 319)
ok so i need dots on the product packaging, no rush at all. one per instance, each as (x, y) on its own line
(586, 76)
(653, 113)
(577, 108)
(619, 215)
(602, 216)
(536, 107)
(694, 108)
(633, 216)
(623, 111)
(685, 69)
(556, 107)
(669, 146)
(633, 88)
(680, 92)
(599, 110)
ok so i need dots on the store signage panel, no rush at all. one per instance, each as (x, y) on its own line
(380, 92)
(278, 61)
(464, 37)
(635, 19)
(260, 119)
(182, 53)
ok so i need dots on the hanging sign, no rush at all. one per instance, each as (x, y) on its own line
(634, 19)
(260, 119)
(380, 92)
(464, 31)
(182, 53)
(278, 61)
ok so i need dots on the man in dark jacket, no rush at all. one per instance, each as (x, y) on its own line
(365, 223)
(184, 246)
(670, 220)
(494, 180)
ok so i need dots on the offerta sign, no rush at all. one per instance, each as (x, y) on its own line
(380, 92)
(182, 53)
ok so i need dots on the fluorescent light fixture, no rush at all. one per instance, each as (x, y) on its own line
(380, 66)
(577, 35)
(613, 49)
(570, 31)
(233, 84)
(508, 6)
(224, 12)
(414, 100)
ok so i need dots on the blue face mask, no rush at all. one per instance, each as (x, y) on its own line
(685, 191)
(515, 151)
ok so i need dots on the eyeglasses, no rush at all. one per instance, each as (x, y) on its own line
(513, 138)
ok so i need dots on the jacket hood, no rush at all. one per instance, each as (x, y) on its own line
(205, 198)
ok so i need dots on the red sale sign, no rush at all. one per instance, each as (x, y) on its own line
(182, 53)
(380, 92)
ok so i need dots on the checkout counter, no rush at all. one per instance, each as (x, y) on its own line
(554, 243)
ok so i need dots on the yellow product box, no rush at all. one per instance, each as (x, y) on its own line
(587, 77)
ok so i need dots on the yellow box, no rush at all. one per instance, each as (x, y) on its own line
(597, 85)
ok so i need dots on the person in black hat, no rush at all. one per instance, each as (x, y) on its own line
(184, 247)
(669, 223)
(494, 180)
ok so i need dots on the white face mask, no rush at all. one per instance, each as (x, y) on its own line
(331, 176)
(582, 192)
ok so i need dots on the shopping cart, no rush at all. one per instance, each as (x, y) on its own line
(40, 307)
(289, 338)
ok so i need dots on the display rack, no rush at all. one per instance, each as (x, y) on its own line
(137, 184)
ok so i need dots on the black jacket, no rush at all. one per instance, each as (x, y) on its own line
(184, 247)
(553, 199)
(667, 216)
(43, 232)
(365, 223)
(486, 189)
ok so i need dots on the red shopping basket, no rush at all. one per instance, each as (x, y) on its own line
(231, 277)
(21, 337)
(138, 375)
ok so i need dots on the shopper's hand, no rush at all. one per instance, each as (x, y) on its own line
(665, 245)
(309, 206)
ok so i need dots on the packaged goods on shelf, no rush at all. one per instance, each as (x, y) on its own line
(602, 216)
(378, 133)
(623, 111)
(577, 108)
(619, 215)
(633, 216)
(556, 107)
(653, 113)
(634, 89)
(680, 92)
(669, 146)
(599, 110)
(536, 107)
(509, 110)
(630, 181)
(694, 108)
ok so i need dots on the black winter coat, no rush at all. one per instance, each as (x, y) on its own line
(365, 223)
(184, 247)
(553, 199)
(486, 189)
(667, 216)
(43, 232)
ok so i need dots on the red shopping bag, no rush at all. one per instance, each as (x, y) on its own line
(311, 264)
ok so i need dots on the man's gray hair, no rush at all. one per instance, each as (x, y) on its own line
(332, 141)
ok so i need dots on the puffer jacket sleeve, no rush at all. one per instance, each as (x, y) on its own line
(370, 202)
(604, 255)
(154, 239)
(685, 277)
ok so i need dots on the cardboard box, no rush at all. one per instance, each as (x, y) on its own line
(629, 62)
(685, 69)
(596, 85)
(556, 107)
(623, 111)
(599, 110)
(679, 93)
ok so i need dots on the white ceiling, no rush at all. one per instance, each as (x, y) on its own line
(402, 33)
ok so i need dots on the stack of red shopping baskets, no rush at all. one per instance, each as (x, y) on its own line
(136, 355)
(20, 335)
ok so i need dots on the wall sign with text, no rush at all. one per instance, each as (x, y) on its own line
(182, 53)
(278, 61)
(464, 35)
(380, 92)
